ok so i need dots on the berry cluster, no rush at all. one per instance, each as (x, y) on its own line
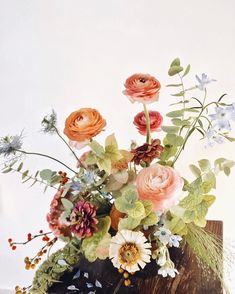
(126, 275)
(64, 178)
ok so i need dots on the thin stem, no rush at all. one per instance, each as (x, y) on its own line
(148, 135)
(190, 130)
(47, 156)
(57, 132)
(183, 90)
(118, 286)
(33, 237)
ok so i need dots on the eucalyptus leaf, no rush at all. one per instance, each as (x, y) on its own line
(175, 69)
(186, 71)
(170, 129)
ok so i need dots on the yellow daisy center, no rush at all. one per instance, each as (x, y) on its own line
(129, 254)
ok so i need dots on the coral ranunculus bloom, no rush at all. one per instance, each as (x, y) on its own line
(142, 88)
(84, 124)
(155, 122)
(161, 185)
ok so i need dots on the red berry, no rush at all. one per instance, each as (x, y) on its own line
(9, 240)
(41, 231)
(13, 247)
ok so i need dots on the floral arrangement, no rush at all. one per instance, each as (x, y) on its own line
(129, 206)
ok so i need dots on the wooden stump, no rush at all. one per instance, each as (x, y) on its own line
(190, 280)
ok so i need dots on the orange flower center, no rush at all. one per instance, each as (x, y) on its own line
(129, 254)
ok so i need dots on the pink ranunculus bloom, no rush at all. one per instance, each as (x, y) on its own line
(161, 185)
(142, 88)
(155, 122)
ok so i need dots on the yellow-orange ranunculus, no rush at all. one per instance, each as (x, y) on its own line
(161, 185)
(84, 124)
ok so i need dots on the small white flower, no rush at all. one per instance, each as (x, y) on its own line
(129, 250)
(174, 240)
(163, 235)
(213, 137)
(168, 270)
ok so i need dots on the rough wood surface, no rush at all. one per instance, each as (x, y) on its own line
(190, 280)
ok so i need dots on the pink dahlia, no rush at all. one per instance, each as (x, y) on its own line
(83, 219)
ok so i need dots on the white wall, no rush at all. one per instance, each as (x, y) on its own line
(71, 54)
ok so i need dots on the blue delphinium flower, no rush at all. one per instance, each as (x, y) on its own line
(203, 81)
(221, 118)
(213, 137)
(89, 177)
(76, 186)
(10, 144)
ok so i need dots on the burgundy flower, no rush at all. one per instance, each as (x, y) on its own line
(83, 219)
(147, 152)
(155, 122)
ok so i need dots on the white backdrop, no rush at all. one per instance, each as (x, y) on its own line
(71, 54)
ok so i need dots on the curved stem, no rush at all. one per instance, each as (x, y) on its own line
(183, 90)
(190, 130)
(47, 156)
(148, 135)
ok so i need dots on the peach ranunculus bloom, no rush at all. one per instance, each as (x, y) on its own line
(142, 88)
(155, 122)
(83, 124)
(161, 185)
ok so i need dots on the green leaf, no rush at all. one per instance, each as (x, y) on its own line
(177, 226)
(7, 170)
(175, 62)
(102, 250)
(129, 223)
(168, 152)
(111, 149)
(201, 210)
(89, 245)
(175, 113)
(179, 122)
(97, 148)
(189, 216)
(209, 199)
(138, 211)
(148, 206)
(170, 129)
(127, 200)
(173, 139)
(178, 94)
(209, 181)
(91, 159)
(230, 139)
(195, 170)
(204, 164)
(186, 71)
(190, 201)
(46, 174)
(175, 69)
(68, 205)
(150, 220)
(20, 167)
(227, 170)
(105, 164)
(24, 174)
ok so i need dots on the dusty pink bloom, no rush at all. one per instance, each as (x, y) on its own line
(155, 122)
(159, 184)
(83, 219)
(54, 216)
(142, 88)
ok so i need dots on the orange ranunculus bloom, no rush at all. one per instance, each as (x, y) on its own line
(142, 88)
(161, 185)
(84, 124)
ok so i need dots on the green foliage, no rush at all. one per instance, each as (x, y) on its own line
(177, 226)
(90, 245)
(68, 205)
(104, 157)
(225, 165)
(127, 200)
(175, 67)
(170, 129)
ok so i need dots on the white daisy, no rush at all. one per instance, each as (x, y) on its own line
(129, 250)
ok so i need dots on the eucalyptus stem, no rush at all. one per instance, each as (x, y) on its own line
(190, 130)
(148, 135)
(183, 90)
(47, 156)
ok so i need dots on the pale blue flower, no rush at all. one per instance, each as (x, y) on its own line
(10, 144)
(89, 177)
(203, 81)
(213, 137)
(174, 241)
(163, 235)
(76, 186)
(168, 270)
(221, 118)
